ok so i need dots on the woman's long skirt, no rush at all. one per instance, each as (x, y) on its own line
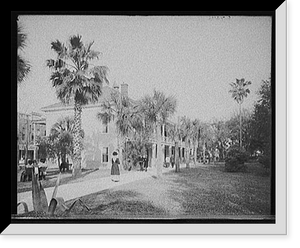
(115, 172)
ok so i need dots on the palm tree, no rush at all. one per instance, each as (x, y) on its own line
(157, 109)
(187, 132)
(222, 136)
(204, 139)
(23, 66)
(174, 132)
(196, 128)
(62, 135)
(76, 82)
(238, 92)
(120, 109)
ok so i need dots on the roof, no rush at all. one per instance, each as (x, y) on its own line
(106, 93)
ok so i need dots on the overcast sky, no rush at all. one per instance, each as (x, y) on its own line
(193, 58)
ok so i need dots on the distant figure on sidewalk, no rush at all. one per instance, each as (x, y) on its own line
(115, 171)
(167, 163)
(35, 168)
(145, 161)
(141, 162)
(172, 161)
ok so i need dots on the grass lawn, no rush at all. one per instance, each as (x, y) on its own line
(204, 191)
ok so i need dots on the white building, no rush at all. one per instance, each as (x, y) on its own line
(100, 140)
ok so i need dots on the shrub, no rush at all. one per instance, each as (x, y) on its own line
(235, 159)
(265, 160)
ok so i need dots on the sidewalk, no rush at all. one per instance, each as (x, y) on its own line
(86, 187)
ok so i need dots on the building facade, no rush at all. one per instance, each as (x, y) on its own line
(31, 127)
(100, 140)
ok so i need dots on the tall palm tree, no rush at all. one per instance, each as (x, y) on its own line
(76, 82)
(123, 112)
(174, 132)
(187, 132)
(23, 66)
(196, 131)
(157, 108)
(238, 92)
(204, 138)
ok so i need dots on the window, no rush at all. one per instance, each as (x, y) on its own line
(105, 154)
(105, 128)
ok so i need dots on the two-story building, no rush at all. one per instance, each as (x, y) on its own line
(31, 127)
(99, 140)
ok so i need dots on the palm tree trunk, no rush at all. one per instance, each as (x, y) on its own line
(177, 165)
(77, 141)
(125, 153)
(150, 158)
(204, 154)
(18, 157)
(159, 163)
(195, 152)
(240, 124)
(58, 161)
(187, 157)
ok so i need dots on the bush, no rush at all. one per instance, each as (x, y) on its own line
(235, 159)
(265, 160)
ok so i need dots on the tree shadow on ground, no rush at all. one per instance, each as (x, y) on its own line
(115, 204)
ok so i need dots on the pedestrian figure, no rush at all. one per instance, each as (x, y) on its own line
(172, 161)
(141, 162)
(115, 171)
(36, 168)
(167, 163)
(145, 163)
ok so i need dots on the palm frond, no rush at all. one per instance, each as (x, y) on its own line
(99, 74)
(21, 38)
(23, 68)
(91, 91)
(104, 117)
(65, 93)
(57, 46)
(238, 90)
(50, 63)
(71, 74)
(76, 42)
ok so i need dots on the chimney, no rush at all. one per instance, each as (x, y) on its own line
(124, 89)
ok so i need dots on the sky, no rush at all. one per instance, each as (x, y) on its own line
(193, 58)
